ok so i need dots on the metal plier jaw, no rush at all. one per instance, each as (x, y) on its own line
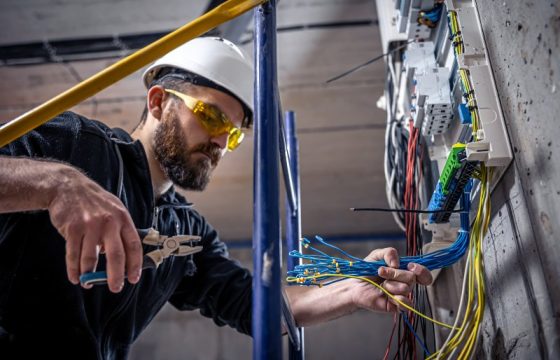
(167, 246)
(170, 246)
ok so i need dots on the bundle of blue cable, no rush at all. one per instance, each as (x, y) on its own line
(322, 263)
(434, 14)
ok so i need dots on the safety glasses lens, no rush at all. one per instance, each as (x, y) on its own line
(214, 121)
(235, 138)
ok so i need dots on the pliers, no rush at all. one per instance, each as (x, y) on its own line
(167, 246)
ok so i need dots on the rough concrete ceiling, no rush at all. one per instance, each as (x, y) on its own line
(340, 130)
(37, 20)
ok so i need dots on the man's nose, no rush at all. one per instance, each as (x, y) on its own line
(220, 140)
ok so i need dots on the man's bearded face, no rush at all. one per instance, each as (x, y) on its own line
(176, 159)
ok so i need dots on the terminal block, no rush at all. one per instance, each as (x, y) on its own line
(453, 163)
(455, 175)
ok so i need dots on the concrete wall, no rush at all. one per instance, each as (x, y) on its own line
(521, 249)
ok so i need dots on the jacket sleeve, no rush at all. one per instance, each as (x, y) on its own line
(221, 288)
(71, 139)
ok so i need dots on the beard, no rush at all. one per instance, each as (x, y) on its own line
(176, 159)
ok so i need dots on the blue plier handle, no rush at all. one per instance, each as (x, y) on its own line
(167, 246)
(100, 277)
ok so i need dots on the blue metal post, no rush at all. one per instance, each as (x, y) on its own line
(293, 215)
(267, 342)
(289, 181)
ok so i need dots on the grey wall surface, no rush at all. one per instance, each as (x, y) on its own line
(522, 318)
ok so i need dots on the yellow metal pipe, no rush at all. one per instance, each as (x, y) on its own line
(124, 67)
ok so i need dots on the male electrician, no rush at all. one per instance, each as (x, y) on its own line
(74, 189)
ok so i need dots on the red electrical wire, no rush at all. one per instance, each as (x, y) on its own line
(413, 177)
(388, 349)
(411, 201)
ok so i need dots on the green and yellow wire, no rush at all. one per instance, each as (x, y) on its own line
(456, 37)
(468, 94)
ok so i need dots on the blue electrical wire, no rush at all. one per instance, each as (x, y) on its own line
(415, 335)
(434, 14)
(322, 263)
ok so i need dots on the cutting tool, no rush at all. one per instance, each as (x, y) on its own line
(178, 245)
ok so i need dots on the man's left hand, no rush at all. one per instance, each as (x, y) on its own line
(396, 281)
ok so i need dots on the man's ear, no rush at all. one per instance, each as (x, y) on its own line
(156, 96)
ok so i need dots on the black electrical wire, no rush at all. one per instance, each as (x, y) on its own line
(408, 210)
(348, 72)
(396, 160)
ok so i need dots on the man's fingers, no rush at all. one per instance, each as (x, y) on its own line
(133, 249)
(397, 288)
(115, 257)
(389, 255)
(90, 253)
(73, 250)
(390, 307)
(423, 275)
(398, 275)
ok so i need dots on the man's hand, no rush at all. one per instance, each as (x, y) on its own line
(398, 282)
(93, 220)
(87, 216)
(312, 305)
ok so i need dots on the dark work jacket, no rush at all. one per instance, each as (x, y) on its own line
(42, 312)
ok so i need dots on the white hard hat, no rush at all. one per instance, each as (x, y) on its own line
(212, 58)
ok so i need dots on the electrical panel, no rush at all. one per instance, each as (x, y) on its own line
(446, 136)
(442, 79)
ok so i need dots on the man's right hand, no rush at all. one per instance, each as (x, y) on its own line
(86, 215)
(92, 220)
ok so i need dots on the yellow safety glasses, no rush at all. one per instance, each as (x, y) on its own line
(214, 121)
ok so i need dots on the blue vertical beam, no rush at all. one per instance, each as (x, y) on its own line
(267, 342)
(285, 162)
(293, 214)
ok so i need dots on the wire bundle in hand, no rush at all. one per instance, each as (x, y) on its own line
(321, 263)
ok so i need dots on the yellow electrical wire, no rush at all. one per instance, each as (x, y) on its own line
(463, 338)
(124, 67)
(468, 330)
(324, 275)
(456, 37)
(471, 100)
(467, 334)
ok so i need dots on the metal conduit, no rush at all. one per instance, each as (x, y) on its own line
(293, 215)
(267, 342)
